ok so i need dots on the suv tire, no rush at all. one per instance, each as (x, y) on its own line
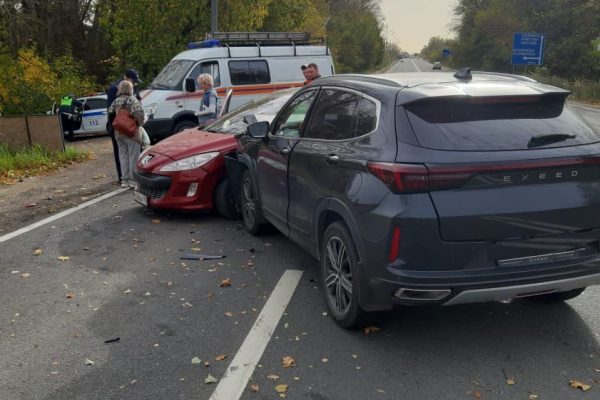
(224, 202)
(251, 213)
(558, 296)
(339, 276)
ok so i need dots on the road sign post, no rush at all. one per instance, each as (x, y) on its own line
(528, 48)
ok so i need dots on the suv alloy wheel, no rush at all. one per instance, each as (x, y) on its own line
(250, 212)
(339, 276)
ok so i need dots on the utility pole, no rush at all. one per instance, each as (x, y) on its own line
(214, 16)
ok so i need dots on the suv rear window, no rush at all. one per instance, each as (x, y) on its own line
(497, 123)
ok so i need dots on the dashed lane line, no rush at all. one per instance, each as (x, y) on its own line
(235, 379)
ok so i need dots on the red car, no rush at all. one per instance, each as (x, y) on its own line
(186, 171)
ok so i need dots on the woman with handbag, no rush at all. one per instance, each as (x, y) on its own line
(128, 116)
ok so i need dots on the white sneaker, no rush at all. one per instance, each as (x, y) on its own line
(124, 183)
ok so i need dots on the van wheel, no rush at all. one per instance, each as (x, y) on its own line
(224, 202)
(339, 276)
(184, 125)
(251, 213)
(558, 296)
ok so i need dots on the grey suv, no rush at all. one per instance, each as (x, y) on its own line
(429, 188)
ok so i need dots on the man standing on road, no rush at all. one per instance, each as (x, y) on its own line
(132, 76)
(69, 113)
(310, 72)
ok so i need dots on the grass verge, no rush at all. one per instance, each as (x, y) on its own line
(36, 160)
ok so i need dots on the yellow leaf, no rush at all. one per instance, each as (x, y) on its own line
(579, 385)
(254, 388)
(63, 258)
(220, 357)
(510, 381)
(25, 275)
(229, 314)
(288, 362)
(225, 283)
(371, 329)
(37, 252)
(281, 388)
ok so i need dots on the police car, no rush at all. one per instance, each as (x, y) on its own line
(92, 117)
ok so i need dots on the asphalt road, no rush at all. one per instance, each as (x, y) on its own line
(124, 278)
(114, 270)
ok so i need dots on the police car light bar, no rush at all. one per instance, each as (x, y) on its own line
(263, 37)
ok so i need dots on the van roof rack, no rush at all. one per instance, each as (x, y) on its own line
(264, 38)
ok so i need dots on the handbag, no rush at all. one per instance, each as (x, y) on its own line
(124, 123)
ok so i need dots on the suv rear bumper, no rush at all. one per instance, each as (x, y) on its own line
(520, 291)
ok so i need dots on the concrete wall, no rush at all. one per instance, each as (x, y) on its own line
(20, 132)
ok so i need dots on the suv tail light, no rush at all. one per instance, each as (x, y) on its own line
(419, 178)
(415, 178)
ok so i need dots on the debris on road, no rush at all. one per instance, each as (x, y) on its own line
(579, 385)
(210, 379)
(225, 283)
(88, 362)
(113, 340)
(196, 360)
(192, 256)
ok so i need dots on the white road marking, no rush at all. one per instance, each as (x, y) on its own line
(242, 366)
(61, 214)
(587, 108)
(415, 65)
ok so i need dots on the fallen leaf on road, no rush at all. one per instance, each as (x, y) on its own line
(288, 362)
(371, 329)
(196, 249)
(273, 377)
(37, 252)
(70, 295)
(220, 357)
(325, 360)
(156, 221)
(225, 283)
(127, 291)
(63, 258)
(206, 364)
(25, 275)
(196, 360)
(254, 388)
(579, 385)
(88, 362)
(99, 176)
(210, 379)
(151, 259)
(281, 388)
(147, 294)
(533, 396)
(510, 381)
(476, 395)
(229, 314)
(31, 205)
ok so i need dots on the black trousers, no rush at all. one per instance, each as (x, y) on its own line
(111, 133)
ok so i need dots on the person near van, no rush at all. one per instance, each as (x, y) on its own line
(130, 75)
(69, 110)
(310, 72)
(210, 99)
(129, 146)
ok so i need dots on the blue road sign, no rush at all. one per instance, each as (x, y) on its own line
(528, 48)
(446, 52)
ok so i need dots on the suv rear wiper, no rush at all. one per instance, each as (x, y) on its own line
(541, 140)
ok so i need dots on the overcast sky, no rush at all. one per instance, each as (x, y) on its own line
(410, 23)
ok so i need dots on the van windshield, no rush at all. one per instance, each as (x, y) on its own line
(171, 77)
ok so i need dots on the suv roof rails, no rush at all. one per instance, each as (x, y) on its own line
(367, 78)
(516, 77)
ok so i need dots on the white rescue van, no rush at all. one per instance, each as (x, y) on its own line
(249, 63)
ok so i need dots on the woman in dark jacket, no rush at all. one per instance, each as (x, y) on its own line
(129, 146)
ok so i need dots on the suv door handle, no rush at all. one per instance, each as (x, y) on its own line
(332, 159)
(285, 151)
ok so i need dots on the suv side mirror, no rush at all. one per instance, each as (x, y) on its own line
(190, 85)
(258, 130)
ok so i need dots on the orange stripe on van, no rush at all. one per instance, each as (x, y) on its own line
(241, 90)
